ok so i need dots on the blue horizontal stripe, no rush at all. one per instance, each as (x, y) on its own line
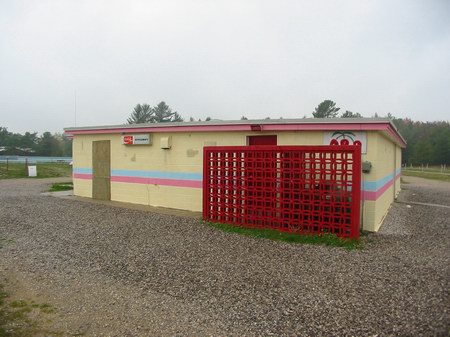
(366, 185)
(373, 186)
(82, 170)
(376, 185)
(157, 174)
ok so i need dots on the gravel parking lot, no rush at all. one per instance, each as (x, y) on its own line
(111, 271)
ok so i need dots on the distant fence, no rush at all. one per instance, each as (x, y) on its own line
(34, 159)
(442, 168)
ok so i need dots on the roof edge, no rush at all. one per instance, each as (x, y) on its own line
(270, 125)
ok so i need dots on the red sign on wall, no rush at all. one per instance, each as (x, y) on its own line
(128, 140)
(137, 139)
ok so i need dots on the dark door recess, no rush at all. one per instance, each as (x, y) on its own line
(262, 140)
(101, 170)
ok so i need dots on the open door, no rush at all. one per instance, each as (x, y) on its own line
(101, 170)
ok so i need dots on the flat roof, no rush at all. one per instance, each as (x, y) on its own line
(269, 125)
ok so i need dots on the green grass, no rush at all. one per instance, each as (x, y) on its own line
(323, 239)
(44, 170)
(57, 187)
(4, 242)
(22, 318)
(427, 174)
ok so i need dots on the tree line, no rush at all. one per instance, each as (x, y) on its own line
(32, 144)
(161, 113)
(427, 142)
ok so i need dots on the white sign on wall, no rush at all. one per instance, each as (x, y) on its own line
(144, 139)
(350, 135)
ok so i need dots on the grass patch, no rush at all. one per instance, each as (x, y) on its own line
(21, 318)
(57, 187)
(46, 308)
(4, 242)
(427, 175)
(323, 239)
(18, 304)
(44, 170)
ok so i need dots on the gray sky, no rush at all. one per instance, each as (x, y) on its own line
(222, 59)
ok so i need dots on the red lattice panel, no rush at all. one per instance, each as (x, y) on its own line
(302, 189)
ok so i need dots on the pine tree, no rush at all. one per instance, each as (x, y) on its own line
(326, 109)
(162, 113)
(141, 114)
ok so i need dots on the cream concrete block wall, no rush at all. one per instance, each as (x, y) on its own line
(376, 155)
(398, 166)
(82, 188)
(132, 193)
(368, 213)
(158, 195)
(82, 158)
(383, 155)
(382, 207)
(371, 155)
(176, 197)
(300, 138)
(386, 154)
(186, 155)
(82, 151)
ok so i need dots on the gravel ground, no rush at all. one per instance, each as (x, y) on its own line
(119, 272)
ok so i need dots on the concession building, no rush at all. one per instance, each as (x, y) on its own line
(291, 174)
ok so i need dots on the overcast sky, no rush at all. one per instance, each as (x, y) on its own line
(222, 59)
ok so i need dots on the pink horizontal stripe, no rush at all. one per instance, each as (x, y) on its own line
(374, 195)
(200, 128)
(367, 195)
(239, 127)
(156, 181)
(82, 176)
(323, 126)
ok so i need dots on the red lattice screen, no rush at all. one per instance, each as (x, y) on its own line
(303, 189)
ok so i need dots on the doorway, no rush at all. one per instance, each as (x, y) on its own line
(262, 140)
(101, 170)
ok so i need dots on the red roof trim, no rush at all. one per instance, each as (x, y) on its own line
(387, 127)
